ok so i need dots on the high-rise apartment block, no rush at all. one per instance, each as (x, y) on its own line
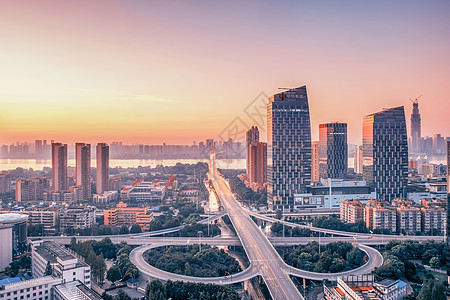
(288, 147)
(31, 189)
(416, 131)
(102, 168)
(409, 220)
(385, 152)
(83, 168)
(333, 156)
(59, 167)
(257, 164)
(251, 136)
(5, 183)
(315, 165)
(379, 217)
(352, 211)
(358, 161)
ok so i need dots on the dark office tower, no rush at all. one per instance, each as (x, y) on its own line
(83, 168)
(102, 167)
(416, 131)
(257, 158)
(252, 136)
(59, 167)
(333, 156)
(288, 147)
(385, 153)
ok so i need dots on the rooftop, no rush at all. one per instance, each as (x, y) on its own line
(75, 290)
(12, 218)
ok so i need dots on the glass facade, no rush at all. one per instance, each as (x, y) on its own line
(333, 154)
(288, 147)
(385, 153)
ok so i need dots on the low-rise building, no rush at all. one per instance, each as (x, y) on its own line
(74, 290)
(434, 220)
(76, 217)
(352, 211)
(142, 191)
(379, 217)
(105, 198)
(365, 287)
(33, 289)
(115, 184)
(329, 193)
(48, 218)
(124, 215)
(409, 219)
(64, 264)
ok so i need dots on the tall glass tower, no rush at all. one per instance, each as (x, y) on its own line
(333, 156)
(416, 131)
(288, 147)
(385, 153)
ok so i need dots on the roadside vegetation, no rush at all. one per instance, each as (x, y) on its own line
(188, 260)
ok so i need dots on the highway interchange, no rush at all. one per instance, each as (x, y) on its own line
(264, 259)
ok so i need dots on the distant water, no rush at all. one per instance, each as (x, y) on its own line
(39, 164)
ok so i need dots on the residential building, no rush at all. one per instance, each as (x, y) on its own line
(74, 290)
(48, 218)
(80, 217)
(103, 168)
(361, 287)
(434, 220)
(83, 168)
(379, 217)
(13, 233)
(31, 189)
(409, 220)
(65, 264)
(115, 184)
(352, 211)
(34, 289)
(333, 150)
(315, 175)
(5, 183)
(124, 215)
(59, 167)
(257, 164)
(288, 147)
(385, 152)
(105, 198)
(251, 136)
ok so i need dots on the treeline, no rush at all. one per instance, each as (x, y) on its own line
(179, 290)
(258, 198)
(333, 257)
(398, 255)
(188, 260)
(332, 222)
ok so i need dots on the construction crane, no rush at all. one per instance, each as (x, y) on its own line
(415, 100)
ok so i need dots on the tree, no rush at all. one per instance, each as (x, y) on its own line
(113, 274)
(121, 295)
(48, 269)
(124, 230)
(278, 214)
(435, 263)
(135, 228)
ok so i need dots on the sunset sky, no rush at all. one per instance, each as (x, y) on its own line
(178, 71)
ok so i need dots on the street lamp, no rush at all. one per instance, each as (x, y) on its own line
(200, 234)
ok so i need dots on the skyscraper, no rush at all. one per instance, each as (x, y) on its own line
(448, 211)
(315, 177)
(251, 136)
(102, 167)
(83, 168)
(385, 153)
(333, 156)
(416, 132)
(59, 167)
(358, 162)
(257, 164)
(288, 147)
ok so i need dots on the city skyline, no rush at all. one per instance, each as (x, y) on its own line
(131, 75)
